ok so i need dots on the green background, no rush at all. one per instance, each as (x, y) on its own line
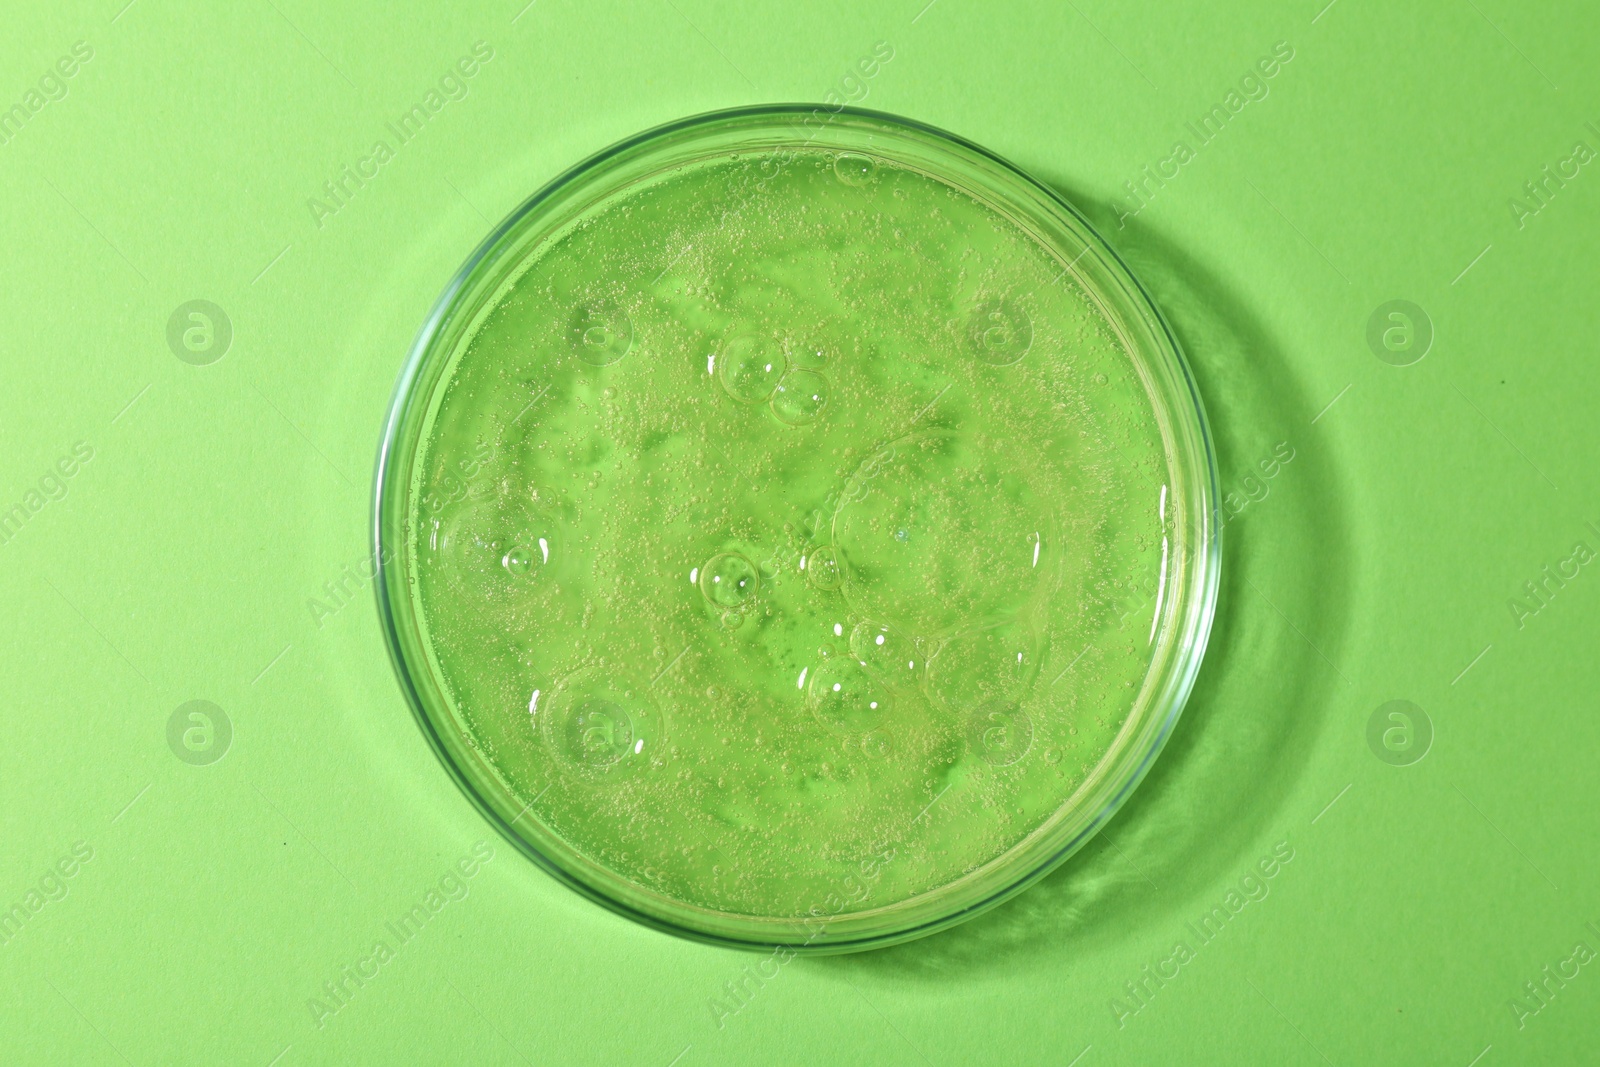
(1379, 564)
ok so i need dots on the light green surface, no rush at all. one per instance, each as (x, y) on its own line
(183, 557)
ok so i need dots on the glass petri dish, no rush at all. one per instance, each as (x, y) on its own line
(796, 528)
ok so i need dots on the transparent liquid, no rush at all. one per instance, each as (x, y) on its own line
(789, 538)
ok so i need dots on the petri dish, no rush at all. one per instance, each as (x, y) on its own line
(796, 529)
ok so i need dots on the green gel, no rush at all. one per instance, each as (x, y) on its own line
(788, 537)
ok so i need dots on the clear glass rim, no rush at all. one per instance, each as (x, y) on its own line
(1183, 622)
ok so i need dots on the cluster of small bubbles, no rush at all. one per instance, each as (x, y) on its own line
(601, 331)
(999, 331)
(1000, 732)
(750, 368)
(979, 665)
(854, 169)
(822, 568)
(728, 579)
(496, 540)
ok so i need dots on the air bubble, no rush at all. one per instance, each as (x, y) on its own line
(845, 699)
(800, 397)
(853, 169)
(498, 541)
(885, 652)
(728, 580)
(602, 332)
(993, 663)
(808, 353)
(599, 729)
(750, 368)
(877, 744)
(822, 568)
